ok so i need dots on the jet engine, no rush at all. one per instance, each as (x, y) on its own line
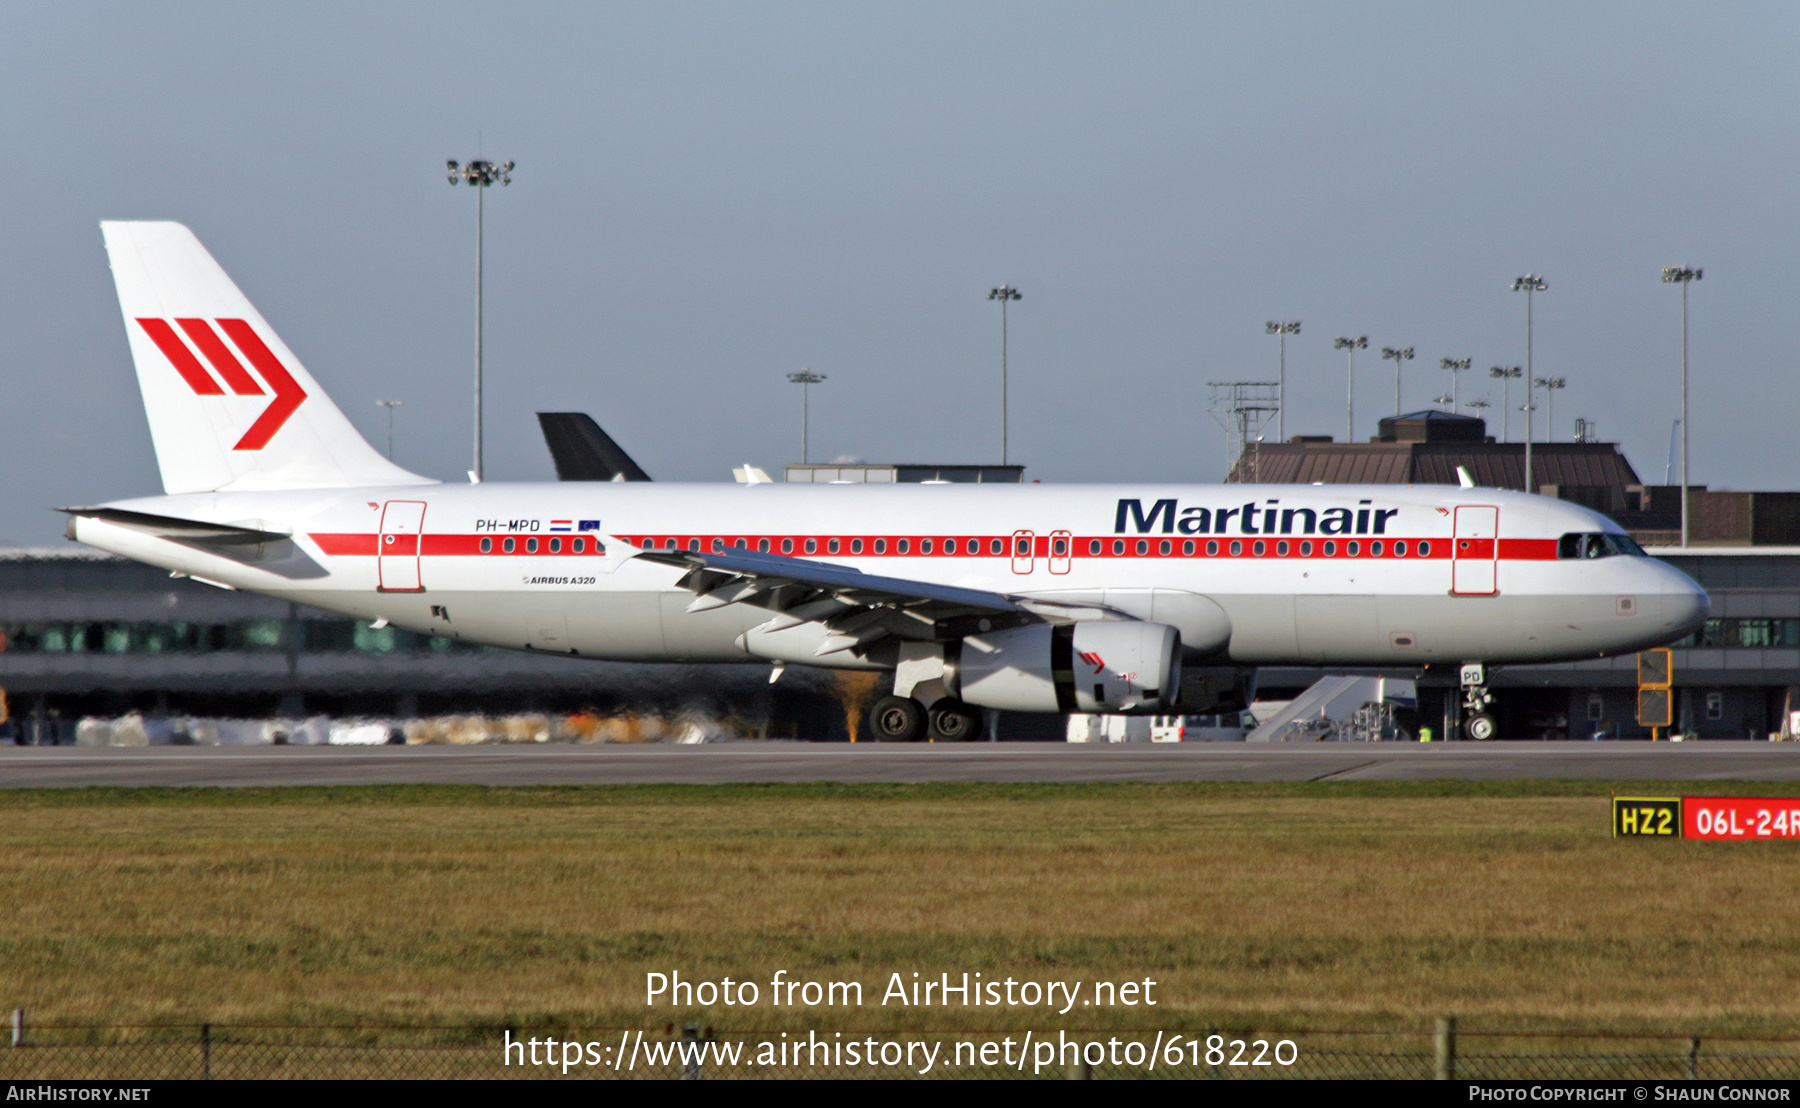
(1090, 666)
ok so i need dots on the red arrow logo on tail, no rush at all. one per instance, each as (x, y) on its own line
(288, 393)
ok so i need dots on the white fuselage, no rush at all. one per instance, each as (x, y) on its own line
(1334, 574)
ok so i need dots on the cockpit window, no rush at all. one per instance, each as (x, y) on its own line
(1597, 544)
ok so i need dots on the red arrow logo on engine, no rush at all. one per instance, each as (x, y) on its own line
(288, 393)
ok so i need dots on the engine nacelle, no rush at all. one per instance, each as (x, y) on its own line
(1094, 666)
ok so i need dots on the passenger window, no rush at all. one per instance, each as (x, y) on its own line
(856, 546)
(996, 547)
(903, 546)
(531, 546)
(1399, 550)
(487, 545)
(507, 545)
(1375, 549)
(578, 545)
(556, 546)
(881, 546)
(1094, 546)
(787, 546)
(1424, 549)
(924, 546)
(762, 546)
(1118, 546)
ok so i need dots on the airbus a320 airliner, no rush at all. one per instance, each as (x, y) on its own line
(1034, 598)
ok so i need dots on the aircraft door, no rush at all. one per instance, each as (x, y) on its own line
(397, 547)
(1061, 543)
(1023, 554)
(1475, 550)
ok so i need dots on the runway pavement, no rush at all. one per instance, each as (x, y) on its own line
(556, 764)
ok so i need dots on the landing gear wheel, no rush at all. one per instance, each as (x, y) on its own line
(1481, 727)
(897, 719)
(952, 721)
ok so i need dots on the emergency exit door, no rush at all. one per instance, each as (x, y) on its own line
(1475, 551)
(397, 546)
(1024, 553)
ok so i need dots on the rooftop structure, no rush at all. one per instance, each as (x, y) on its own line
(864, 473)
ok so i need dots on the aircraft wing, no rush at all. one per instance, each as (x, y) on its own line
(857, 607)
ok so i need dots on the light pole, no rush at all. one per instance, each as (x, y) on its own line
(1550, 385)
(1683, 275)
(478, 174)
(806, 379)
(390, 405)
(1282, 329)
(1478, 405)
(1005, 294)
(1530, 284)
(1345, 342)
(1400, 356)
(1506, 373)
(1456, 366)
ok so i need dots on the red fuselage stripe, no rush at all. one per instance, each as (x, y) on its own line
(955, 546)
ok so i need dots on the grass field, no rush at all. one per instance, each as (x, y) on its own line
(1507, 904)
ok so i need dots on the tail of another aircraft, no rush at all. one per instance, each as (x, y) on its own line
(230, 407)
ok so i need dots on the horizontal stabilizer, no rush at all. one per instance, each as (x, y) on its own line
(182, 530)
(583, 452)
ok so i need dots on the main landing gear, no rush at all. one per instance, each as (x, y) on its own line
(1478, 722)
(901, 719)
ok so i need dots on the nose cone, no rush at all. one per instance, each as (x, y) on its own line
(1683, 605)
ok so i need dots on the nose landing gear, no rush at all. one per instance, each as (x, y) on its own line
(1478, 722)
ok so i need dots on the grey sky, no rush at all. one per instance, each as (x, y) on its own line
(709, 197)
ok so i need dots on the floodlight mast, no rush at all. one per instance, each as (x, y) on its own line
(1529, 284)
(806, 379)
(1456, 366)
(1505, 374)
(1005, 294)
(390, 405)
(1282, 329)
(1345, 342)
(1550, 385)
(479, 175)
(1399, 355)
(1683, 275)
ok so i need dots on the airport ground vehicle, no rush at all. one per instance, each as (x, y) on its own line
(1050, 598)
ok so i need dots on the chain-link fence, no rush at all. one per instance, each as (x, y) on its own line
(669, 1052)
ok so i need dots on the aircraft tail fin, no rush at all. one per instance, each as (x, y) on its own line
(230, 406)
(583, 452)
